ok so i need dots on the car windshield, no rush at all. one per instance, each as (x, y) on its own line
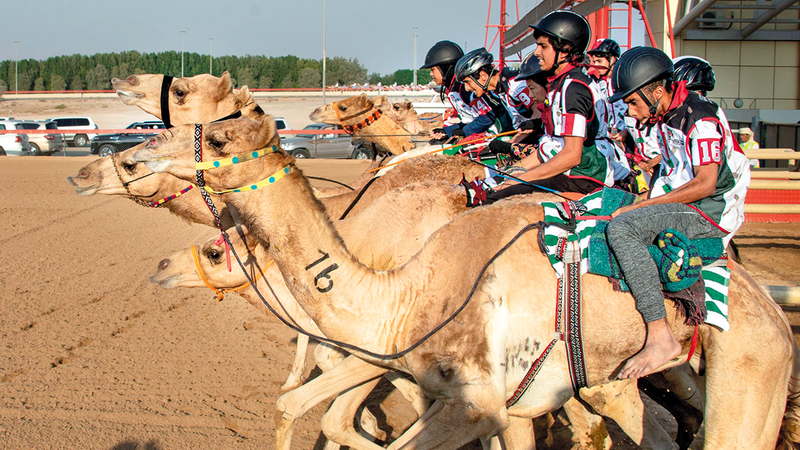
(27, 126)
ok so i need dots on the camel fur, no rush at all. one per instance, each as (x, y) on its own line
(470, 366)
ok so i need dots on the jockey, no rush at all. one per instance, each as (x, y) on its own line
(703, 199)
(497, 97)
(441, 60)
(568, 159)
(603, 55)
(531, 130)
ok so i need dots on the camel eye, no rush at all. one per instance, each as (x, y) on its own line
(214, 255)
(129, 167)
(152, 142)
(179, 93)
(396, 108)
(215, 144)
(342, 107)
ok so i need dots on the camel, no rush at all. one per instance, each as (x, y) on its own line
(406, 116)
(186, 105)
(463, 364)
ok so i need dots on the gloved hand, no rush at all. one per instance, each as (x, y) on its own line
(497, 147)
(527, 125)
(458, 131)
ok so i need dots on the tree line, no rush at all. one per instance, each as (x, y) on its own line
(82, 72)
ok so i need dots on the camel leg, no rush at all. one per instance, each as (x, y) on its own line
(297, 374)
(519, 435)
(327, 356)
(337, 423)
(620, 401)
(417, 426)
(675, 389)
(410, 390)
(589, 427)
(293, 404)
(746, 378)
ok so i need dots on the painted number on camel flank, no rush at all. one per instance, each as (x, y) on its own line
(324, 274)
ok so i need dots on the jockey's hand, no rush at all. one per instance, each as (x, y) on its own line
(438, 134)
(617, 136)
(624, 209)
(497, 146)
(527, 127)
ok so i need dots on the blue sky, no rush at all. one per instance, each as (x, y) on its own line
(377, 32)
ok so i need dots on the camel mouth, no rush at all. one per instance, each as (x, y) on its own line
(87, 191)
(128, 97)
(166, 282)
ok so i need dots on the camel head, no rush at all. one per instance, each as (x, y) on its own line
(198, 99)
(180, 269)
(106, 176)
(173, 151)
(357, 106)
(404, 111)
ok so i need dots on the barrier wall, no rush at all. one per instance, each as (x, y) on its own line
(774, 195)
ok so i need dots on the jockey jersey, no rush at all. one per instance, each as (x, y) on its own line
(607, 122)
(570, 111)
(460, 99)
(505, 107)
(693, 132)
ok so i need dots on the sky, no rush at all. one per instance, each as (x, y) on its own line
(379, 33)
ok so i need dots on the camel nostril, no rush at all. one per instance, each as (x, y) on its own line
(163, 264)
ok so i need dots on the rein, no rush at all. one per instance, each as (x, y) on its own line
(221, 292)
(165, 85)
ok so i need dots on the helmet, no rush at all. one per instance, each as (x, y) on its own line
(605, 47)
(471, 62)
(637, 68)
(696, 72)
(567, 26)
(443, 53)
(530, 70)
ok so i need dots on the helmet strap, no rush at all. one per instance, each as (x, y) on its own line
(652, 107)
(484, 87)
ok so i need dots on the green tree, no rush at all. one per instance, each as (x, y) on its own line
(245, 77)
(57, 83)
(309, 78)
(38, 85)
(76, 84)
(98, 78)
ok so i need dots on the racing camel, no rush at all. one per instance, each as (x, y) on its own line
(503, 296)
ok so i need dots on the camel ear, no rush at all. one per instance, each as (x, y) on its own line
(242, 96)
(409, 105)
(224, 87)
(266, 130)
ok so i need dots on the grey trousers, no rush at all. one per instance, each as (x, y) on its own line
(630, 233)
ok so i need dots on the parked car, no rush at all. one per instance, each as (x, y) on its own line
(76, 123)
(324, 145)
(281, 124)
(12, 144)
(42, 144)
(106, 144)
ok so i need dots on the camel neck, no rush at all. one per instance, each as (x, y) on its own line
(331, 286)
(388, 134)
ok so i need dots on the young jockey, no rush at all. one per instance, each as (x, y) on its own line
(441, 60)
(568, 159)
(704, 199)
(498, 98)
(603, 55)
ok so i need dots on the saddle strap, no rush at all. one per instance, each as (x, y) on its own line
(569, 295)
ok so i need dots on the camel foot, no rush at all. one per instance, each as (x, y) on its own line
(659, 348)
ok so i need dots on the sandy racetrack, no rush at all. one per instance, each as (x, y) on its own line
(93, 356)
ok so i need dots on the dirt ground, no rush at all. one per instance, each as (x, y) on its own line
(93, 356)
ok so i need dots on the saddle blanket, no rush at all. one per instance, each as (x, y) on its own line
(598, 259)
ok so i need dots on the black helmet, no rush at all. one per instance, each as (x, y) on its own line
(696, 72)
(605, 47)
(530, 70)
(637, 68)
(567, 26)
(443, 53)
(471, 62)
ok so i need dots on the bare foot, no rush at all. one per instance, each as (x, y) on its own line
(660, 347)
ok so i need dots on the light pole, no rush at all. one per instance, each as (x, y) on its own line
(415, 58)
(16, 61)
(182, 33)
(211, 57)
(323, 52)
